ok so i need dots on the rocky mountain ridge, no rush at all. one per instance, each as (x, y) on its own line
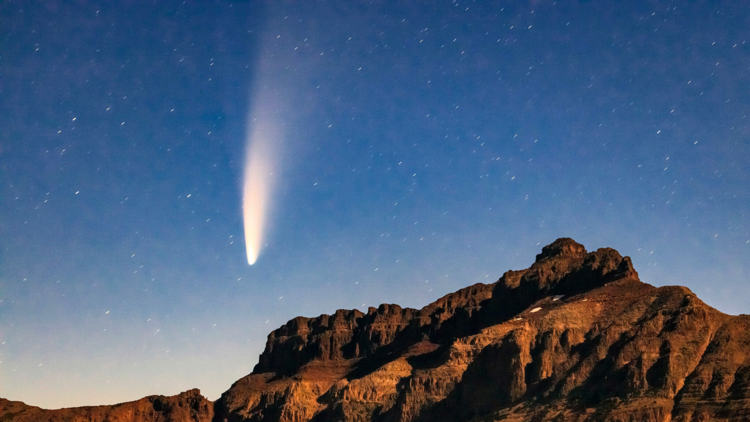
(575, 337)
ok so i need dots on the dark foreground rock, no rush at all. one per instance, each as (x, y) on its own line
(575, 337)
(187, 406)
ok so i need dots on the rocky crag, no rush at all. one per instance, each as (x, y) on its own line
(575, 337)
(188, 406)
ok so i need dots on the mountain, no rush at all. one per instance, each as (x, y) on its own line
(575, 337)
(187, 406)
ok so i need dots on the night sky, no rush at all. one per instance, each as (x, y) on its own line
(420, 148)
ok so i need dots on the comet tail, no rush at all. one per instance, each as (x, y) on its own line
(256, 191)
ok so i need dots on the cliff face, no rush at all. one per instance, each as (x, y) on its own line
(575, 337)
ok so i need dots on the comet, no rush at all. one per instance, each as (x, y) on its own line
(258, 182)
(266, 121)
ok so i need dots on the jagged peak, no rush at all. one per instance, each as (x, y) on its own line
(562, 247)
(563, 268)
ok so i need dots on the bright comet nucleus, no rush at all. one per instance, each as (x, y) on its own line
(257, 186)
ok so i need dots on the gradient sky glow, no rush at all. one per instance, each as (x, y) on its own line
(425, 147)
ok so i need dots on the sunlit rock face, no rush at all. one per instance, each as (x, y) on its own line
(574, 337)
(601, 345)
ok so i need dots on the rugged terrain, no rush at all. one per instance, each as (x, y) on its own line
(577, 336)
(188, 406)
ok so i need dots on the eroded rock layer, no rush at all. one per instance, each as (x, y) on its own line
(575, 337)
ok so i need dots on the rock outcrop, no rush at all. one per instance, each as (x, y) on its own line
(575, 337)
(187, 406)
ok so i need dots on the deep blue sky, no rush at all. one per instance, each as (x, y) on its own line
(426, 147)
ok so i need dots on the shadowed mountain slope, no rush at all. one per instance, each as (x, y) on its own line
(187, 406)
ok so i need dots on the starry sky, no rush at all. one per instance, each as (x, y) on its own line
(423, 147)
